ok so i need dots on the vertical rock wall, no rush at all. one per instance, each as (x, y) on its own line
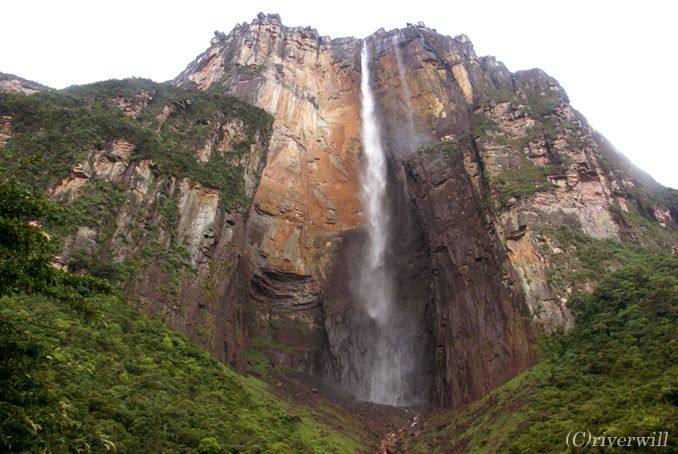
(177, 242)
(482, 163)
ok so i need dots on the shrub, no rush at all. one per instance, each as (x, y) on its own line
(522, 181)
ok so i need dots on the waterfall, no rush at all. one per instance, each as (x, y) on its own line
(373, 182)
(384, 383)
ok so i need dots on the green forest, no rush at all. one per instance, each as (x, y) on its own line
(84, 371)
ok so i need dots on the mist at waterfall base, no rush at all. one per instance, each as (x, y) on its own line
(391, 359)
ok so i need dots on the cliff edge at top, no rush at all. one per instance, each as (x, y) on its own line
(486, 167)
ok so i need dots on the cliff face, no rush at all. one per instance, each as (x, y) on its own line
(159, 194)
(483, 165)
(486, 171)
(307, 205)
(510, 164)
(306, 231)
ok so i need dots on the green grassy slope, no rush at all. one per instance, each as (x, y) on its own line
(615, 373)
(104, 375)
(82, 371)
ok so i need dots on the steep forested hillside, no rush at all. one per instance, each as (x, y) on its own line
(82, 370)
(157, 182)
(614, 374)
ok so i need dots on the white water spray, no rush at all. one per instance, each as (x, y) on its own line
(373, 182)
(384, 384)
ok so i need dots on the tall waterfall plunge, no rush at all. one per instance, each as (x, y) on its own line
(391, 358)
(377, 284)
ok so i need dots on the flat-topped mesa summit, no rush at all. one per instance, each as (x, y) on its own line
(483, 165)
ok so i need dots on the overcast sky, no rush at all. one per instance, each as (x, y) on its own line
(615, 59)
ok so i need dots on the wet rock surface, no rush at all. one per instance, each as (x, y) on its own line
(471, 214)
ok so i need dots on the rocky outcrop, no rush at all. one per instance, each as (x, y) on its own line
(482, 330)
(176, 243)
(171, 108)
(473, 252)
(108, 163)
(308, 197)
(9, 83)
(5, 129)
(134, 104)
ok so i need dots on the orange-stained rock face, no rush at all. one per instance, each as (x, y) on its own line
(469, 260)
(309, 187)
